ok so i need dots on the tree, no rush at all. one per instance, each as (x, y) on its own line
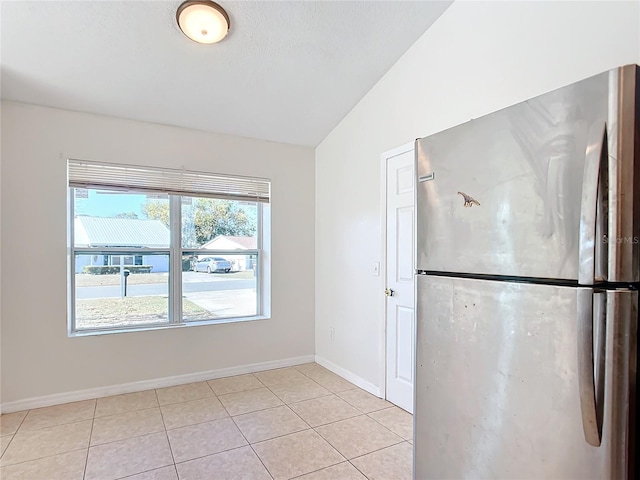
(207, 218)
(127, 215)
(156, 210)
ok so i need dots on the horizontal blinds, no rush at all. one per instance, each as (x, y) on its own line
(85, 174)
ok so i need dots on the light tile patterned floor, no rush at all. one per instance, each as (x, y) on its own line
(300, 422)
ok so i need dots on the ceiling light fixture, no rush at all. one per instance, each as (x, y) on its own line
(203, 21)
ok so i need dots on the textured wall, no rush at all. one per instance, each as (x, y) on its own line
(38, 358)
(478, 57)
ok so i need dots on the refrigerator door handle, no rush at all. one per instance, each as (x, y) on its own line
(595, 152)
(622, 338)
(591, 414)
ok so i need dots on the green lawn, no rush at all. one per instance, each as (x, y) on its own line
(115, 312)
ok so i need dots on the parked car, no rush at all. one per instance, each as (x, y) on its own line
(212, 264)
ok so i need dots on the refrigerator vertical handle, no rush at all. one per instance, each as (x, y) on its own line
(596, 149)
(622, 326)
(591, 419)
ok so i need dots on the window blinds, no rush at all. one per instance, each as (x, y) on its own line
(86, 174)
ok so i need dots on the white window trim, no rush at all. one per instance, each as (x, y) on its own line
(175, 252)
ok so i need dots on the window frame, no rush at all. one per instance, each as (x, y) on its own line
(175, 253)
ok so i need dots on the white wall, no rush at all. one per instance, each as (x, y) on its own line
(0, 246)
(477, 58)
(37, 356)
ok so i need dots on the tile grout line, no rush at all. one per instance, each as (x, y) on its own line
(238, 391)
(43, 428)
(371, 411)
(335, 394)
(309, 427)
(139, 435)
(331, 444)
(52, 426)
(147, 434)
(312, 428)
(146, 471)
(276, 395)
(42, 458)
(312, 398)
(222, 418)
(56, 425)
(359, 414)
(232, 417)
(328, 371)
(361, 472)
(339, 391)
(314, 381)
(402, 440)
(166, 433)
(377, 421)
(93, 419)
(249, 444)
(128, 411)
(300, 401)
(320, 469)
(210, 388)
(378, 450)
(255, 411)
(196, 424)
(13, 436)
(285, 404)
(159, 405)
(21, 422)
(210, 454)
(296, 414)
(183, 401)
(281, 436)
(245, 438)
(330, 393)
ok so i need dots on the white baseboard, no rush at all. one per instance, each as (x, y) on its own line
(352, 377)
(91, 393)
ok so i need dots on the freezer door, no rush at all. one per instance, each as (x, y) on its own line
(502, 194)
(498, 387)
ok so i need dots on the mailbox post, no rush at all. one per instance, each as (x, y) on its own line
(123, 281)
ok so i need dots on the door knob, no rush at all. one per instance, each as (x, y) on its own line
(388, 292)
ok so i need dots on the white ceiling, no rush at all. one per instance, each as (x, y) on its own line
(288, 71)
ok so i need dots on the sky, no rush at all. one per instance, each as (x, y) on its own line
(109, 204)
(102, 204)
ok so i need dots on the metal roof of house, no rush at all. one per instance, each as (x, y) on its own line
(248, 243)
(120, 232)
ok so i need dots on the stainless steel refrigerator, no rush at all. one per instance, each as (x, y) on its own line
(528, 233)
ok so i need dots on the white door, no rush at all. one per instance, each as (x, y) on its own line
(400, 318)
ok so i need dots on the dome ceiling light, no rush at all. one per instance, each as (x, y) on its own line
(203, 21)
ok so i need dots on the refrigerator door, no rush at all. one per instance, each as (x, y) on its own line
(499, 393)
(502, 194)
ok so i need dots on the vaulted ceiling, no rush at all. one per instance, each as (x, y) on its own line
(289, 71)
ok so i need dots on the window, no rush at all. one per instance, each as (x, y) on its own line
(120, 260)
(152, 247)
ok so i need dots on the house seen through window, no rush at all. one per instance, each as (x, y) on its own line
(170, 254)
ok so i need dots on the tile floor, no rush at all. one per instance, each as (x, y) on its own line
(299, 422)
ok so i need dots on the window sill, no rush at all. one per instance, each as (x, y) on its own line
(169, 326)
